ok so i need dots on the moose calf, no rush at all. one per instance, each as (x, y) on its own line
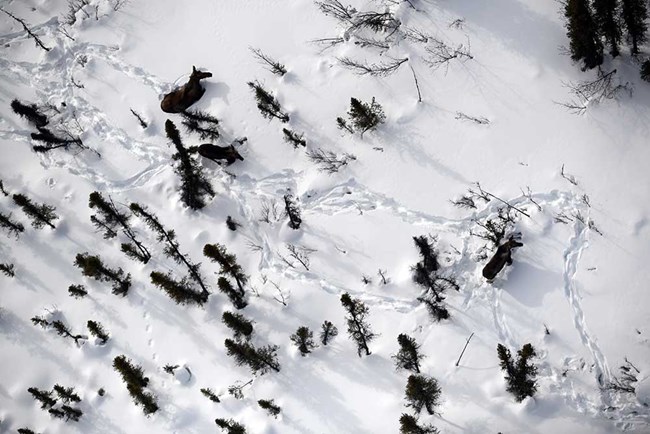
(502, 257)
(180, 99)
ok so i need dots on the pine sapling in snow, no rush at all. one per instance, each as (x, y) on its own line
(109, 220)
(13, 227)
(236, 297)
(209, 393)
(201, 123)
(66, 394)
(363, 116)
(77, 291)
(31, 112)
(229, 426)
(92, 266)
(181, 291)
(96, 329)
(294, 138)
(236, 322)
(520, 376)
(45, 397)
(292, 211)
(228, 262)
(422, 391)
(303, 338)
(195, 187)
(267, 104)
(133, 376)
(270, 407)
(328, 332)
(409, 425)
(41, 215)
(262, 360)
(7, 270)
(358, 328)
(408, 357)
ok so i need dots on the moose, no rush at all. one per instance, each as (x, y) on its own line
(502, 257)
(215, 153)
(179, 100)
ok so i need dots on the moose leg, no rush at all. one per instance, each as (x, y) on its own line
(509, 260)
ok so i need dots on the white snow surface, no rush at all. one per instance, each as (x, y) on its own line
(589, 289)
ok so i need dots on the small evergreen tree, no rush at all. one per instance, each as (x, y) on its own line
(57, 413)
(635, 14)
(109, 219)
(582, 31)
(605, 15)
(328, 332)
(41, 215)
(133, 376)
(25, 431)
(363, 116)
(228, 262)
(229, 426)
(208, 393)
(172, 249)
(179, 291)
(14, 228)
(409, 425)
(201, 123)
(292, 211)
(358, 328)
(238, 324)
(71, 413)
(422, 391)
(408, 357)
(520, 376)
(294, 138)
(96, 329)
(7, 270)
(43, 396)
(236, 297)
(67, 394)
(303, 338)
(92, 266)
(52, 141)
(261, 360)
(267, 104)
(645, 70)
(194, 184)
(63, 330)
(77, 291)
(270, 407)
(30, 112)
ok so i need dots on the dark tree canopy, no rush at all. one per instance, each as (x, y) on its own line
(228, 262)
(270, 406)
(229, 426)
(328, 332)
(31, 112)
(358, 328)
(262, 360)
(238, 324)
(409, 425)
(364, 116)
(303, 338)
(635, 14)
(408, 357)
(583, 36)
(606, 16)
(520, 375)
(422, 391)
(41, 215)
(92, 266)
(14, 228)
(181, 291)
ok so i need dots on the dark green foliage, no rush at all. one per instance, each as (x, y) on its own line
(30, 112)
(71, 413)
(97, 330)
(228, 262)
(194, 184)
(67, 394)
(583, 36)
(238, 324)
(171, 249)
(25, 431)
(303, 338)
(77, 291)
(133, 376)
(201, 123)
(408, 357)
(57, 413)
(328, 332)
(342, 124)
(40, 321)
(294, 138)
(262, 360)
(170, 369)
(14, 228)
(409, 425)
(520, 376)
(41, 215)
(270, 407)
(230, 426)
(635, 14)
(358, 328)
(208, 393)
(92, 266)
(363, 116)
(645, 70)
(179, 291)
(52, 141)
(236, 297)
(43, 396)
(422, 391)
(428, 275)
(63, 330)
(605, 15)
(7, 270)
(109, 220)
(292, 211)
(267, 104)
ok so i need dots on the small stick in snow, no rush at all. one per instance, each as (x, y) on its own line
(570, 178)
(29, 32)
(464, 348)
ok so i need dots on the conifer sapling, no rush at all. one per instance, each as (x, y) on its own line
(328, 332)
(303, 338)
(422, 391)
(408, 357)
(358, 328)
(270, 407)
(41, 215)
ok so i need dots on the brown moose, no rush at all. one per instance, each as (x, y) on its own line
(502, 257)
(215, 153)
(180, 99)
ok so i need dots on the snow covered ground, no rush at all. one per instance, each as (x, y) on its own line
(587, 283)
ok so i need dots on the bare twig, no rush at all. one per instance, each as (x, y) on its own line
(301, 254)
(502, 201)
(464, 348)
(570, 178)
(382, 274)
(282, 297)
(417, 85)
(374, 69)
(29, 32)
(529, 195)
(479, 120)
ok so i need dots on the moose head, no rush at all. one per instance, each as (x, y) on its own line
(502, 257)
(183, 97)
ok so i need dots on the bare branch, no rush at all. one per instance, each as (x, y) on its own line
(479, 120)
(275, 67)
(328, 161)
(29, 32)
(374, 69)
